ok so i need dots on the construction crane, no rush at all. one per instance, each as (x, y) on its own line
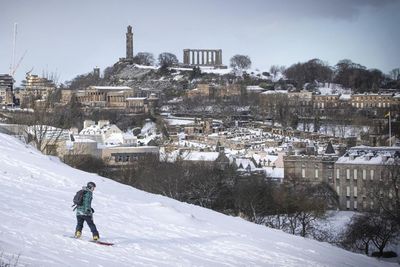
(13, 66)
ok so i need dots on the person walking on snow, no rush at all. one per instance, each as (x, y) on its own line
(85, 212)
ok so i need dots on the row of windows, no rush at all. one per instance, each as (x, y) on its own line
(365, 204)
(365, 174)
(125, 158)
(303, 173)
(366, 105)
(356, 174)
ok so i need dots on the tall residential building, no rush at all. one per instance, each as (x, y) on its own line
(6, 89)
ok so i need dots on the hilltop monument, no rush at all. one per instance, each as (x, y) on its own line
(129, 46)
(203, 57)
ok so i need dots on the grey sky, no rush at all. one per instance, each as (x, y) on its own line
(71, 37)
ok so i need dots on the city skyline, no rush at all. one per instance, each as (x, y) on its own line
(71, 38)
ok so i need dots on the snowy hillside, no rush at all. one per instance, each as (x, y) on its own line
(36, 221)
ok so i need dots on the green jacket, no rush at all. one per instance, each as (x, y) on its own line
(86, 207)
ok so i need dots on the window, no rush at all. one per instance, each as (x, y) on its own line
(364, 174)
(348, 174)
(347, 191)
(316, 173)
(371, 173)
(355, 205)
(372, 205)
(348, 204)
(338, 190)
(303, 173)
(337, 174)
(355, 191)
(355, 174)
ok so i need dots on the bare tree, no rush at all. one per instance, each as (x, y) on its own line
(370, 229)
(387, 190)
(144, 58)
(240, 62)
(357, 234)
(43, 125)
(167, 59)
(395, 74)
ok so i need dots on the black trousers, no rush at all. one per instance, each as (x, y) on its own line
(89, 220)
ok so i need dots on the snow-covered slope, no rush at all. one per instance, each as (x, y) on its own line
(36, 221)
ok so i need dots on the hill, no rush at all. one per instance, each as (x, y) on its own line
(148, 230)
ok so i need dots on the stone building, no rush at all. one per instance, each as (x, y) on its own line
(324, 102)
(311, 167)
(6, 89)
(227, 91)
(300, 102)
(362, 177)
(380, 101)
(202, 90)
(105, 96)
(204, 126)
(212, 92)
(116, 156)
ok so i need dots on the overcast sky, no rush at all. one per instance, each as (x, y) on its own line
(71, 37)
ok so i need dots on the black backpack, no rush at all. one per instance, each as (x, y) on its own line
(78, 198)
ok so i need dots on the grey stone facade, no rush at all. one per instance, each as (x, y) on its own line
(363, 175)
(359, 177)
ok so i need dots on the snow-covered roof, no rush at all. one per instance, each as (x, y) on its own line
(272, 172)
(244, 163)
(369, 155)
(136, 98)
(254, 88)
(114, 139)
(96, 130)
(345, 97)
(275, 92)
(200, 156)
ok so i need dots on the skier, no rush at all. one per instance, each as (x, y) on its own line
(85, 212)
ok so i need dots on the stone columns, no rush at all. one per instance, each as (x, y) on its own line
(186, 56)
(218, 57)
(202, 57)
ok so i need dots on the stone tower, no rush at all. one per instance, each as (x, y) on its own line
(129, 43)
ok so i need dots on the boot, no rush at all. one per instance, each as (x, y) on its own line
(96, 237)
(78, 234)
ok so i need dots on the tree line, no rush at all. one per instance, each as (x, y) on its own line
(346, 72)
